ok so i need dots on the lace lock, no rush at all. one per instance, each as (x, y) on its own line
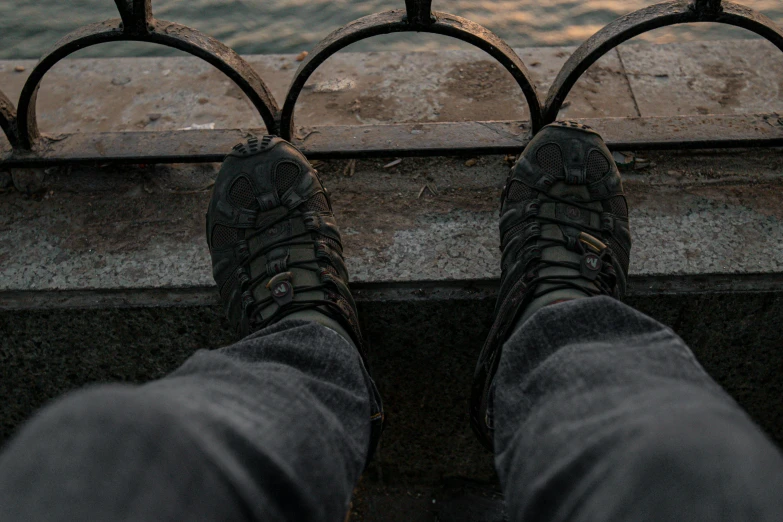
(591, 266)
(281, 288)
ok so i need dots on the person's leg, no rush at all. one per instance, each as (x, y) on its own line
(595, 411)
(603, 414)
(276, 427)
(261, 430)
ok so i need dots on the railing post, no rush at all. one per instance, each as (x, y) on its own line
(707, 6)
(419, 12)
(136, 16)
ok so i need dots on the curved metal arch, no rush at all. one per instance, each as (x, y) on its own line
(416, 20)
(647, 19)
(8, 120)
(153, 31)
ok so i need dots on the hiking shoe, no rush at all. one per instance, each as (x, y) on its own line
(275, 245)
(564, 235)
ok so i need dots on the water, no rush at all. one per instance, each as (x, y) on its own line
(29, 27)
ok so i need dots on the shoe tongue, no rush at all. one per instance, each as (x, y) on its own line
(560, 253)
(557, 251)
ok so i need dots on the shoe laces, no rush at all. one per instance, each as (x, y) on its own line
(254, 309)
(585, 244)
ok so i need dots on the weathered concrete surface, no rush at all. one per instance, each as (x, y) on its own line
(141, 228)
(705, 77)
(126, 228)
(350, 88)
(353, 88)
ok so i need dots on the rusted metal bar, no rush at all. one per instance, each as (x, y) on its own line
(647, 19)
(8, 120)
(419, 12)
(136, 15)
(398, 140)
(707, 6)
(395, 22)
(138, 24)
(158, 32)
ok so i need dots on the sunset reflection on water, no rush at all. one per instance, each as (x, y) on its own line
(285, 26)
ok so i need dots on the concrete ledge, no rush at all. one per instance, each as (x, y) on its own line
(638, 286)
(125, 228)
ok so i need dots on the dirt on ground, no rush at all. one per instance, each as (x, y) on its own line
(121, 209)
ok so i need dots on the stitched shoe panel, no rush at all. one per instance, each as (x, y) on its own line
(564, 235)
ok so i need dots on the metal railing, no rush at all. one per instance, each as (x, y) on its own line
(30, 148)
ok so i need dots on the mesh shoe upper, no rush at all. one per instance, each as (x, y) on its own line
(564, 233)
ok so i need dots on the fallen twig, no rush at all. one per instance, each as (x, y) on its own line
(393, 163)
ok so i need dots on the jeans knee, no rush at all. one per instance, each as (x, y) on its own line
(106, 410)
(693, 451)
(707, 463)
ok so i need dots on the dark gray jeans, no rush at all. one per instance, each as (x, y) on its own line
(602, 414)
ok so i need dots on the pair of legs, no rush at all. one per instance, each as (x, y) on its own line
(610, 418)
(595, 411)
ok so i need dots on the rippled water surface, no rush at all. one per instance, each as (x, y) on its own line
(28, 27)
